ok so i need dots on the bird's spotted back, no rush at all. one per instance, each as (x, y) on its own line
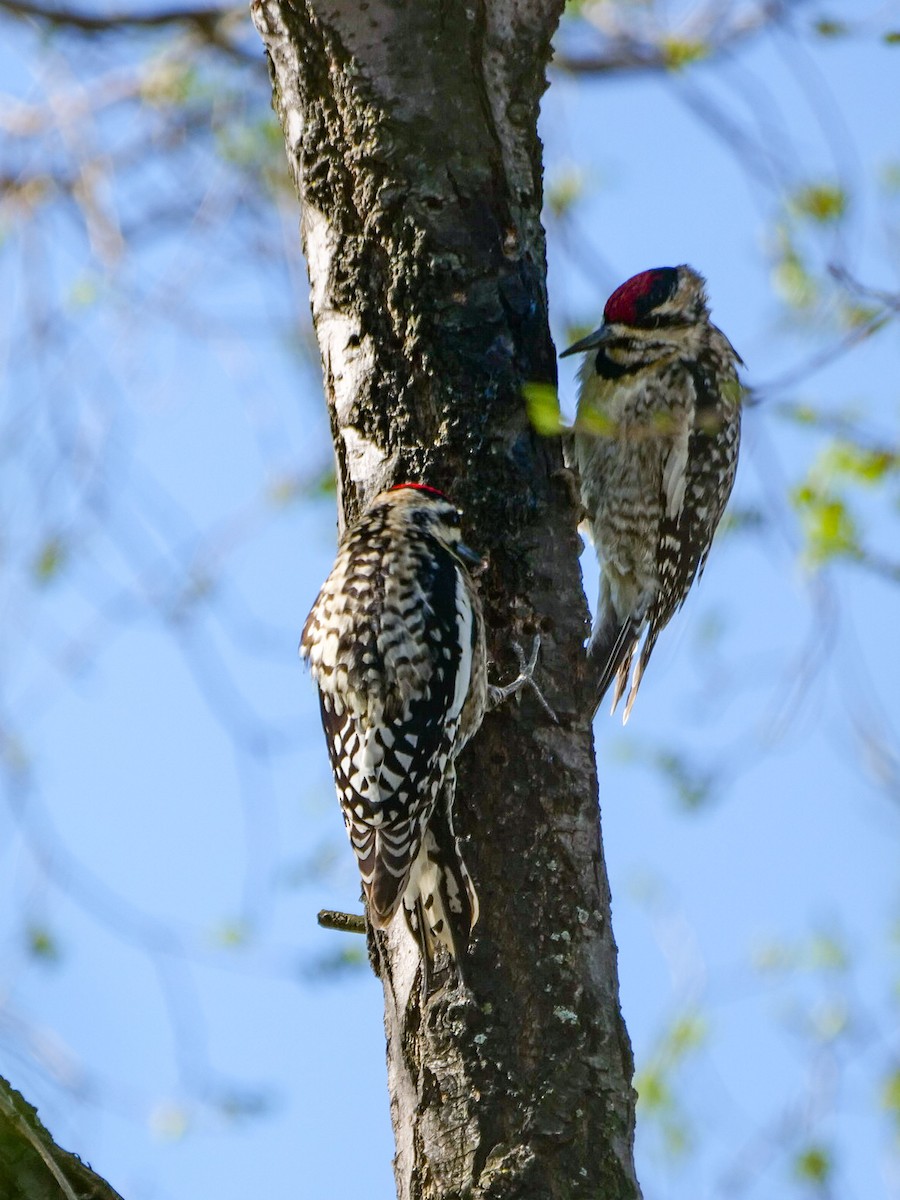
(366, 635)
(395, 642)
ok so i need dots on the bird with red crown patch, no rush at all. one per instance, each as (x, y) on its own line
(656, 446)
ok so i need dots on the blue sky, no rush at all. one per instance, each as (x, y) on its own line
(174, 827)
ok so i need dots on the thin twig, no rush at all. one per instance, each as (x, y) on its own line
(203, 17)
(343, 922)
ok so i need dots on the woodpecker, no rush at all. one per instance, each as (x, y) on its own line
(396, 644)
(656, 446)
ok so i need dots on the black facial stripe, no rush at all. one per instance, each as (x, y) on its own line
(606, 368)
(662, 289)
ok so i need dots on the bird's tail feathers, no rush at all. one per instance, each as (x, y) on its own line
(610, 652)
(640, 668)
(384, 856)
(440, 902)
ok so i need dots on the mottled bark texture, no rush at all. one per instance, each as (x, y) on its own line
(411, 131)
(32, 1166)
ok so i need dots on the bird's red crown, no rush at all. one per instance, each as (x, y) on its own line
(639, 295)
(419, 487)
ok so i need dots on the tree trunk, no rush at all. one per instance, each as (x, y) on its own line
(410, 128)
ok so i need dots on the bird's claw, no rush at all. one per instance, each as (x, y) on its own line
(525, 678)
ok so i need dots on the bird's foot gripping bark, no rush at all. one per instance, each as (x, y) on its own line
(497, 695)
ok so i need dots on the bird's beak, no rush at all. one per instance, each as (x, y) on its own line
(591, 342)
(468, 555)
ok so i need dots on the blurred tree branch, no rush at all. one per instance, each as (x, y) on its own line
(209, 20)
(218, 27)
(632, 44)
(32, 1166)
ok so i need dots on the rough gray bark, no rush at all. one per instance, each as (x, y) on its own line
(32, 1166)
(411, 132)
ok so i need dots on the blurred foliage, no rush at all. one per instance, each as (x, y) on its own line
(831, 29)
(656, 1082)
(42, 944)
(821, 202)
(332, 965)
(563, 190)
(824, 950)
(678, 53)
(824, 500)
(79, 163)
(813, 1166)
(692, 784)
(890, 1099)
(50, 561)
(542, 403)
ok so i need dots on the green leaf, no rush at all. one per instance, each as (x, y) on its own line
(824, 203)
(774, 956)
(693, 786)
(854, 316)
(828, 953)
(859, 463)
(890, 1096)
(892, 38)
(679, 53)
(287, 489)
(793, 280)
(801, 414)
(675, 1138)
(829, 527)
(542, 403)
(591, 420)
(734, 392)
(50, 560)
(42, 944)
(564, 191)
(84, 292)
(829, 1021)
(687, 1033)
(825, 27)
(170, 1121)
(232, 935)
(170, 84)
(653, 1091)
(813, 1165)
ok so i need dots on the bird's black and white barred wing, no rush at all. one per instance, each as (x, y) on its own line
(708, 472)
(696, 485)
(393, 675)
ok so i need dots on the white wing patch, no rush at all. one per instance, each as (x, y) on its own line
(464, 641)
(675, 469)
